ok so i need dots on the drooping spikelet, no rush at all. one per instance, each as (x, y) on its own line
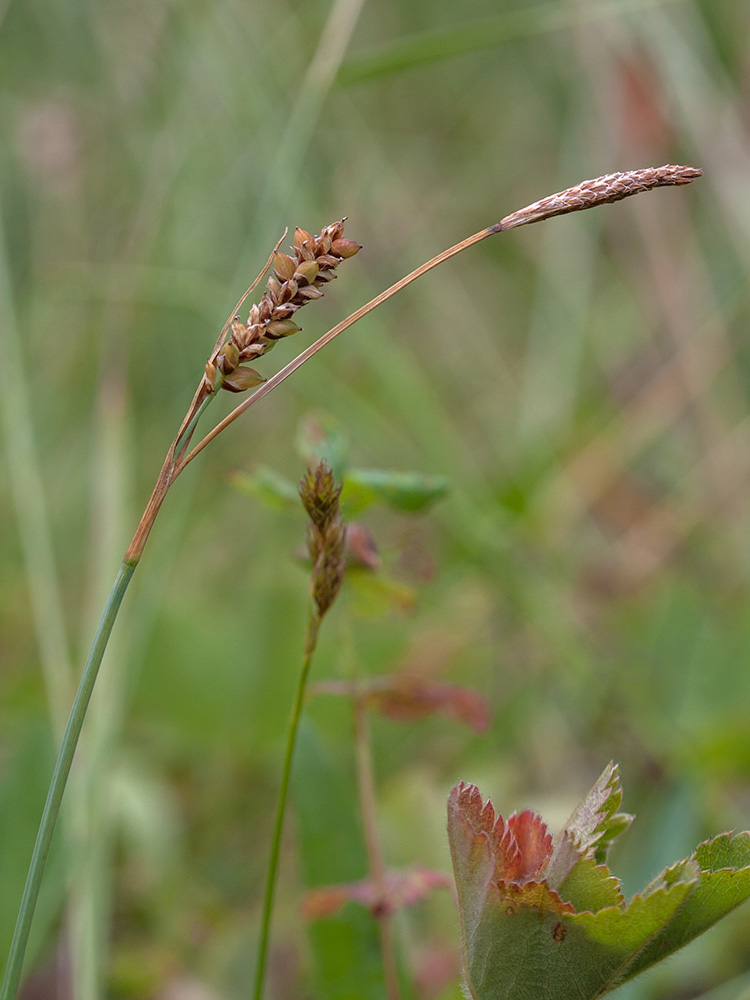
(296, 280)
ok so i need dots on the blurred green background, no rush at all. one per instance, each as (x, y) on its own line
(584, 385)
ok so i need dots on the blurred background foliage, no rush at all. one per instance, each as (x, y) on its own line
(583, 386)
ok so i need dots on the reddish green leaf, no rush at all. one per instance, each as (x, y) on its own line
(544, 924)
(400, 889)
(406, 697)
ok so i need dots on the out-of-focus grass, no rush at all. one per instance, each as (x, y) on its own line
(583, 384)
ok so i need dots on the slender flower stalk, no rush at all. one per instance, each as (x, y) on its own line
(326, 541)
(296, 280)
(366, 786)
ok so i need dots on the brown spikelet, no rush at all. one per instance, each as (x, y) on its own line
(296, 280)
(599, 191)
(326, 534)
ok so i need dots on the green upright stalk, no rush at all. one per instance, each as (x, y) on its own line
(273, 860)
(59, 779)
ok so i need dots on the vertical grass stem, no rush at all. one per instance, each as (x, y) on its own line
(63, 765)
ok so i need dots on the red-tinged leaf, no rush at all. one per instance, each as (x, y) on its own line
(407, 698)
(538, 895)
(527, 939)
(485, 852)
(400, 890)
(360, 546)
(533, 842)
(326, 901)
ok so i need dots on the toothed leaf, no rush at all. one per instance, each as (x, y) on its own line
(539, 924)
(723, 882)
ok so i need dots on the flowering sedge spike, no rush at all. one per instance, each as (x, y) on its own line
(326, 534)
(296, 280)
(600, 191)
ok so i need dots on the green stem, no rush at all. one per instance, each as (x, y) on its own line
(273, 861)
(59, 780)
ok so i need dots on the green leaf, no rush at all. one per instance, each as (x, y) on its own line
(374, 595)
(23, 784)
(590, 886)
(405, 491)
(723, 882)
(592, 827)
(268, 486)
(526, 953)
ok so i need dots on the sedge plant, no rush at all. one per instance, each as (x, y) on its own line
(295, 280)
(326, 542)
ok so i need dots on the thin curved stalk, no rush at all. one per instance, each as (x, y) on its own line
(59, 779)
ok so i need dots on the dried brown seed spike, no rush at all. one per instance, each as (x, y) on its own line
(330, 567)
(320, 495)
(310, 292)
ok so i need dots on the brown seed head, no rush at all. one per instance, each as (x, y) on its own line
(328, 572)
(326, 534)
(320, 494)
(297, 279)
